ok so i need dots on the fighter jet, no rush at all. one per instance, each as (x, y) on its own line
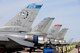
(39, 32)
(38, 35)
(61, 34)
(58, 36)
(52, 33)
(12, 34)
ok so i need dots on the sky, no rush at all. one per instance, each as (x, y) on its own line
(66, 12)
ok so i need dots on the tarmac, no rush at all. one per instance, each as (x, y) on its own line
(75, 50)
(32, 52)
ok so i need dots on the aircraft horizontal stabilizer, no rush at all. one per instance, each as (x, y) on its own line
(3, 38)
(22, 41)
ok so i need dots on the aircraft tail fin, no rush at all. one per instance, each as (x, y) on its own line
(26, 17)
(48, 25)
(62, 33)
(41, 26)
(54, 30)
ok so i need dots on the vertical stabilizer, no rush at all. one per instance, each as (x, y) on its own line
(48, 25)
(26, 17)
(42, 25)
(54, 30)
(62, 33)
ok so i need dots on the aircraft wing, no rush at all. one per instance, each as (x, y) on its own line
(22, 41)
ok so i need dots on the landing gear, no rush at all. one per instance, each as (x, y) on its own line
(30, 50)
